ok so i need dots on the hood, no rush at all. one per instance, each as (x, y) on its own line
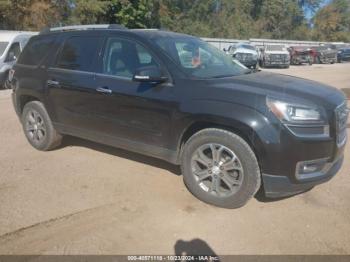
(282, 87)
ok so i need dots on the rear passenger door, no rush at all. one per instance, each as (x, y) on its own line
(71, 83)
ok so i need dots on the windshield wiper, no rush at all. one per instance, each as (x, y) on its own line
(223, 76)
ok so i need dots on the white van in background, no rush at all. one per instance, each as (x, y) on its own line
(11, 45)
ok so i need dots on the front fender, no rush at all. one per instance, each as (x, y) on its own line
(247, 122)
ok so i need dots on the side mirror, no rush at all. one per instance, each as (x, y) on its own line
(150, 74)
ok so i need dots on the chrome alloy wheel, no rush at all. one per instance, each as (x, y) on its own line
(217, 170)
(35, 126)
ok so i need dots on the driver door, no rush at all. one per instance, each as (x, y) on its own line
(129, 110)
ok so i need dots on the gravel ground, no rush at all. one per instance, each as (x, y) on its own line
(86, 198)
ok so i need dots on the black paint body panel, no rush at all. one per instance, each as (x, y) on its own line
(153, 119)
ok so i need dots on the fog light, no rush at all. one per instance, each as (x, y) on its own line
(313, 168)
(310, 168)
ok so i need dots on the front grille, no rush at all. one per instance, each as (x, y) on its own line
(341, 116)
(278, 57)
(242, 57)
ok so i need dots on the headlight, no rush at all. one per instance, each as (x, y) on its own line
(302, 120)
(290, 112)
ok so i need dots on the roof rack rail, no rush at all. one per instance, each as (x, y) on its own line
(81, 27)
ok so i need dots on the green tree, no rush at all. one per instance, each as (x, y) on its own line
(87, 11)
(131, 13)
(30, 14)
(280, 18)
(332, 22)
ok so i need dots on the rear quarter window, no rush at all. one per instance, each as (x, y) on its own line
(35, 51)
(78, 53)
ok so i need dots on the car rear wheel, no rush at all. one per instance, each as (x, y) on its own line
(38, 127)
(220, 168)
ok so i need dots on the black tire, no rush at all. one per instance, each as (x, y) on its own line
(250, 179)
(42, 124)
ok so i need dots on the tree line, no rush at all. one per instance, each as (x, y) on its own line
(240, 19)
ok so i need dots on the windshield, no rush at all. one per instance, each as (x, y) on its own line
(248, 47)
(3, 46)
(275, 48)
(200, 59)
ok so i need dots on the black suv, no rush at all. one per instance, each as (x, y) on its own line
(177, 98)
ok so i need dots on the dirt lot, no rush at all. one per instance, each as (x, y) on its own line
(86, 198)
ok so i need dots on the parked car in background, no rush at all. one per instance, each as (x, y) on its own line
(274, 55)
(343, 55)
(300, 55)
(11, 45)
(325, 54)
(245, 53)
(156, 93)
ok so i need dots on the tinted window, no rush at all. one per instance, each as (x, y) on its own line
(78, 53)
(248, 47)
(123, 57)
(200, 59)
(14, 50)
(3, 46)
(35, 51)
(276, 48)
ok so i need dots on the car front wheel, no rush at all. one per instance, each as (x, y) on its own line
(220, 168)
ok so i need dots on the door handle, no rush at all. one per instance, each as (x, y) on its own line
(53, 83)
(104, 90)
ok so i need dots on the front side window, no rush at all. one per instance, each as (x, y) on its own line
(123, 57)
(78, 53)
(199, 59)
(13, 52)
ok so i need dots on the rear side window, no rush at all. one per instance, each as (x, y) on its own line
(35, 51)
(123, 57)
(78, 53)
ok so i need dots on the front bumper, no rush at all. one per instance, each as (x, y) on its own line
(282, 186)
(326, 60)
(271, 63)
(249, 63)
(301, 59)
